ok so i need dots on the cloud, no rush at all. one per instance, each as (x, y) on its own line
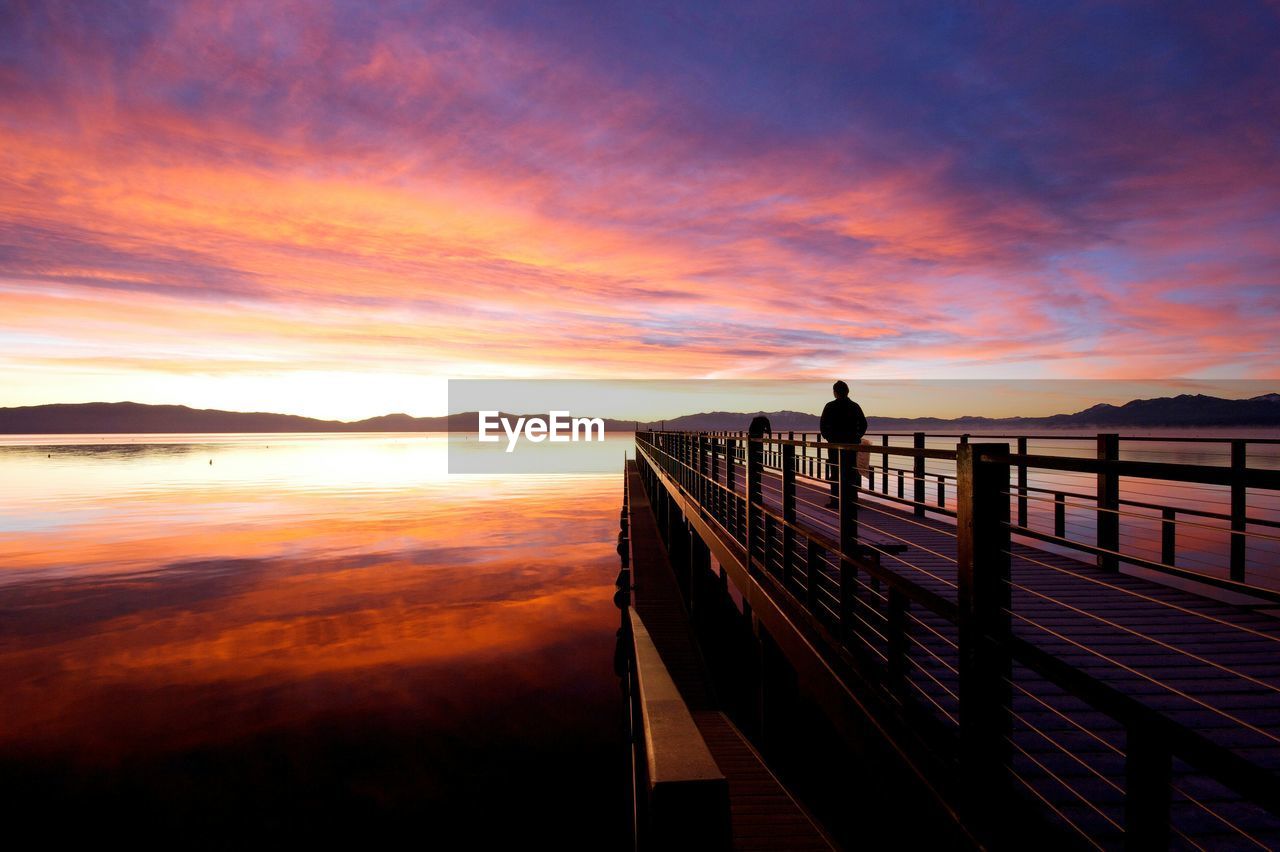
(656, 191)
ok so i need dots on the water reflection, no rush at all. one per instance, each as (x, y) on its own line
(309, 638)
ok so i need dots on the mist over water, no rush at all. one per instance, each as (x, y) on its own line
(246, 640)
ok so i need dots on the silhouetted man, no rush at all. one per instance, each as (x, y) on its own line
(842, 423)
(759, 427)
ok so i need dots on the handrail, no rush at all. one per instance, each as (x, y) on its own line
(1107, 468)
(875, 449)
(1034, 436)
(687, 796)
(1197, 473)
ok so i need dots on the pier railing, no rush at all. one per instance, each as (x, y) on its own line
(1213, 520)
(945, 632)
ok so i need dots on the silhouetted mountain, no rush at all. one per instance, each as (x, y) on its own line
(137, 418)
(1182, 410)
(117, 417)
(132, 417)
(720, 421)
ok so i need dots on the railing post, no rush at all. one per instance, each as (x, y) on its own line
(755, 467)
(709, 455)
(983, 595)
(1022, 484)
(1148, 776)
(1168, 535)
(768, 525)
(848, 508)
(1108, 504)
(682, 463)
(691, 451)
(1060, 514)
(731, 481)
(847, 475)
(788, 510)
(716, 494)
(896, 638)
(1237, 509)
(919, 475)
(884, 466)
(699, 571)
(687, 442)
(813, 565)
(702, 470)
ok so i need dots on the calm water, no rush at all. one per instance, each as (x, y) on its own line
(312, 638)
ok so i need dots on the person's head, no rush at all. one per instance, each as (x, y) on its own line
(840, 389)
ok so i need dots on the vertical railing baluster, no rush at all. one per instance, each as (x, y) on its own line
(1060, 514)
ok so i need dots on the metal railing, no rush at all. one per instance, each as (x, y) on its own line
(1208, 527)
(1014, 679)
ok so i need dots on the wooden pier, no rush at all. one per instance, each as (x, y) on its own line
(1034, 685)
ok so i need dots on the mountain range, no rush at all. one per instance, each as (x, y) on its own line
(131, 417)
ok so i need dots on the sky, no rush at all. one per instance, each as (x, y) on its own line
(331, 208)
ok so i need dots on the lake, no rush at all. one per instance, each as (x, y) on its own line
(256, 639)
(251, 640)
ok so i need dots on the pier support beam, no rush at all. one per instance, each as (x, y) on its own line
(779, 695)
(700, 579)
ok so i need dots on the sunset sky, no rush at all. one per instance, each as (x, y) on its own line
(329, 208)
